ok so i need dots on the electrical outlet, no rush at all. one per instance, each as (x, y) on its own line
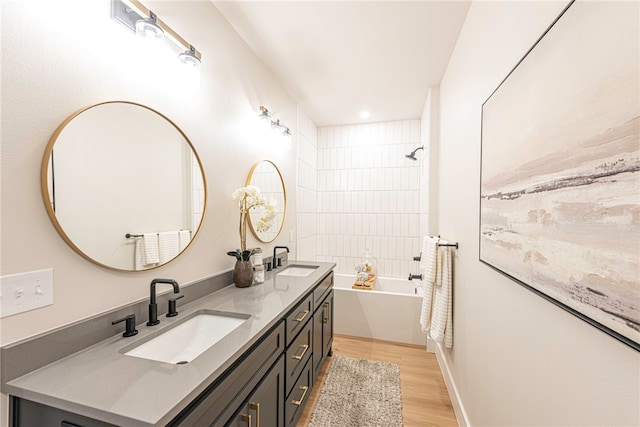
(25, 291)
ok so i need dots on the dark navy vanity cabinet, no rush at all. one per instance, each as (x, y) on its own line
(268, 385)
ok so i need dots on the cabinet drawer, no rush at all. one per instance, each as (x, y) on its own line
(298, 397)
(298, 317)
(298, 353)
(320, 290)
(216, 405)
(27, 413)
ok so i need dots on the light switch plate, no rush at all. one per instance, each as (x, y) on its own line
(25, 291)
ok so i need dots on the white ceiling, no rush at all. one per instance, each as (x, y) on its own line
(337, 58)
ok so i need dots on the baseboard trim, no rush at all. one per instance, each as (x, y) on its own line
(456, 401)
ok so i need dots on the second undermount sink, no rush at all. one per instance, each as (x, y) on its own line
(189, 338)
(298, 270)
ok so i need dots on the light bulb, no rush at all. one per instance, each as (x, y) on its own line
(148, 28)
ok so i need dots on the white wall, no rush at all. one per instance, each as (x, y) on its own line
(517, 359)
(60, 56)
(307, 187)
(368, 196)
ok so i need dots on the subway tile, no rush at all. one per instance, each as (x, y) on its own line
(339, 245)
(396, 270)
(404, 225)
(397, 225)
(347, 243)
(333, 247)
(415, 131)
(393, 250)
(406, 132)
(405, 175)
(409, 249)
(414, 227)
(339, 228)
(400, 252)
(384, 201)
(382, 134)
(364, 230)
(322, 137)
(387, 225)
(384, 248)
(357, 224)
(407, 267)
(413, 180)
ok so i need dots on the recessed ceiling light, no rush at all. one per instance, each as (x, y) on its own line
(365, 114)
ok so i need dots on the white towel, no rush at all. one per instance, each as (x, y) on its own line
(168, 246)
(428, 263)
(139, 254)
(151, 250)
(184, 239)
(442, 317)
(428, 258)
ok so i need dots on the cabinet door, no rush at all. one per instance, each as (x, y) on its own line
(327, 326)
(265, 405)
(322, 333)
(318, 354)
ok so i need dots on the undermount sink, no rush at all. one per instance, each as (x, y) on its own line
(298, 270)
(189, 338)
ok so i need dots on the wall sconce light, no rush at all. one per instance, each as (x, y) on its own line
(275, 123)
(142, 21)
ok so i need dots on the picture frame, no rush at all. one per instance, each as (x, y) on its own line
(560, 168)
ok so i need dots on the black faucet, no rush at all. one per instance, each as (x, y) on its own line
(153, 307)
(276, 261)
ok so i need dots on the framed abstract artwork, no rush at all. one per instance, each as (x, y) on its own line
(560, 168)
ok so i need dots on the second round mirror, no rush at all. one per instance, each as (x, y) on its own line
(266, 176)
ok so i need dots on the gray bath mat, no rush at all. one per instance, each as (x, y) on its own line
(359, 392)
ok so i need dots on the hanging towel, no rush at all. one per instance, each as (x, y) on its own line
(428, 258)
(151, 250)
(442, 317)
(428, 263)
(168, 245)
(138, 256)
(184, 239)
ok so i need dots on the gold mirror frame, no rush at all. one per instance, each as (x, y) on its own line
(45, 187)
(282, 212)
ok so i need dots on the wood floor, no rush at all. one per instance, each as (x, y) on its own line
(425, 401)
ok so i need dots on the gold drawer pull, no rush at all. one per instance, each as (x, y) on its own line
(304, 348)
(301, 318)
(246, 418)
(256, 407)
(304, 389)
(326, 319)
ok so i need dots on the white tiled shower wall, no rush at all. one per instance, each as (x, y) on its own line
(368, 196)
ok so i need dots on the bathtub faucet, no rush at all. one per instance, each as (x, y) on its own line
(415, 276)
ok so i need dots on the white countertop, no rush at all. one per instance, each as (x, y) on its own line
(102, 383)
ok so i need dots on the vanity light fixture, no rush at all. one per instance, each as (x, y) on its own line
(148, 28)
(142, 21)
(188, 57)
(275, 123)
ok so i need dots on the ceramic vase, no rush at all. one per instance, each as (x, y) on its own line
(243, 274)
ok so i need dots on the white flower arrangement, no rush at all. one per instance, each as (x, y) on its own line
(250, 197)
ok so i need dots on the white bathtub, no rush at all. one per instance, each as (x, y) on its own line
(390, 311)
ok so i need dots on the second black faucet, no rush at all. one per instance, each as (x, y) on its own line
(277, 261)
(153, 306)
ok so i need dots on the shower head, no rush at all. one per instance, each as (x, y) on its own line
(412, 156)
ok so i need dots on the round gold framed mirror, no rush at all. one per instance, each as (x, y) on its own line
(123, 186)
(267, 177)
